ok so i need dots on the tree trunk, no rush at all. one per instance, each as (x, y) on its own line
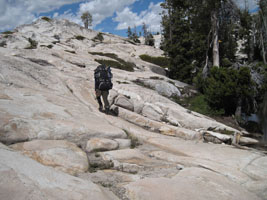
(86, 24)
(205, 70)
(238, 110)
(263, 50)
(170, 22)
(215, 49)
(263, 117)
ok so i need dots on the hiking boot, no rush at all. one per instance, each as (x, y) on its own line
(100, 108)
(107, 111)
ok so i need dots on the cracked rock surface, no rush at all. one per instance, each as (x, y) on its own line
(55, 144)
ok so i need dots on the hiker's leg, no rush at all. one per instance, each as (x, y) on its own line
(99, 103)
(105, 99)
(98, 97)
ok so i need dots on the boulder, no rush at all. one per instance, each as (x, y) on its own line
(152, 112)
(217, 138)
(101, 144)
(125, 160)
(123, 143)
(59, 154)
(23, 178)
(191, 183)
(124, 102)
(163, 88)
(247, 141)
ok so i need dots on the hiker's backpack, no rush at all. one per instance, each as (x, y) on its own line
(103, 76)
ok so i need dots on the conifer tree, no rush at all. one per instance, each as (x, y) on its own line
(87, 19)
(263, 28)
(129, 33)
(191, 41)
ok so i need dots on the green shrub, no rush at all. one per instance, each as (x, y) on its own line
(156, 78)
(224, 87)
(160, 61)
(7, 32)
(114, 64)
(73, 52)
(50, 46)
(79, 37)
(99, 37)
(226, 62)
(55, 42)
(131, 42)
(46, 19)
(110, 55)
(3, 44)
(33, 44)
(200, 105)
(119, 63)
(134, 140)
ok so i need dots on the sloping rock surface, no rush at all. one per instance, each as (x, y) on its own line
(48, 112)
(23, 178)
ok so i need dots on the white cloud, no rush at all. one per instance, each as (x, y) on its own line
(101, 9)
(17, 12)
(127, 18)
(69, 15)
(150, 17)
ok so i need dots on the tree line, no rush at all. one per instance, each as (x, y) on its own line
(209, 43)
(132, 35)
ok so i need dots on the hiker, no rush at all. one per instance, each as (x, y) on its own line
(103, 84)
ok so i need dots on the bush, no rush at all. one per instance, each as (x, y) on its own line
(198, 104)
(33, 44)
(119, 63)
(99, 37)
(50, 46)
(160, 61)
(46, 19)
(3, 44)
(110, 55)
(224, 87)
(73, 52)
(114, 64)
(7, 32)
(79, 37)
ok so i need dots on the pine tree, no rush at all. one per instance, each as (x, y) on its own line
(183, 43)
(129, 33)
(245, 32)
(144, 27)
(263, 28)
(191, 41)
(87, 19)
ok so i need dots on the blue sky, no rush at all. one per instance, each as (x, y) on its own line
(113, 16)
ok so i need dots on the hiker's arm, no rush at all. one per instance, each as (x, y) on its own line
(96, 84)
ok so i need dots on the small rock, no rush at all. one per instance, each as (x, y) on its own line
(179, 167)
(101, 144)
(124, 143)
(124, 102)
(217, 138)
(247, 141)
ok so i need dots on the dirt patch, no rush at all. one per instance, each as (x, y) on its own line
(229, 121)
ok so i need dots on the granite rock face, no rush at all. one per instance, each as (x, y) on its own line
(59, 154)
(23, 178)
(149, 148)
